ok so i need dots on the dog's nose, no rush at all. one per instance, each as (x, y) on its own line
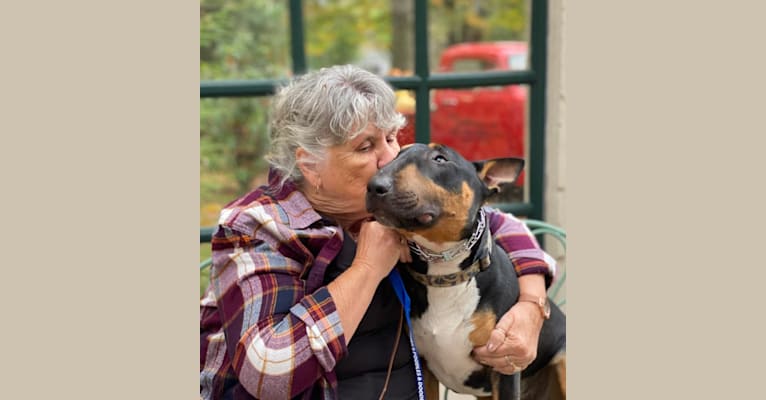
(380, 185)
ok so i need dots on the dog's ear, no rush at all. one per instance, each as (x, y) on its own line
(500, 170)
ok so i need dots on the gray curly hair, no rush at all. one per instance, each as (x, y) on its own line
(327, 108)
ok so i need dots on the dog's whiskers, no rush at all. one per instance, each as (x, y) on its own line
(405, 200)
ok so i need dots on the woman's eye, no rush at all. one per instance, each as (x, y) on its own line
(440, 159)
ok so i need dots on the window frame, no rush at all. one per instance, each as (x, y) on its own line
(423, 81)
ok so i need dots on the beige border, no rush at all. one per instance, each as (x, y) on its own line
(665, 110)
(99, 164)
(100, 173)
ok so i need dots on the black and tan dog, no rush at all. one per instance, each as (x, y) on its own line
(460, 282)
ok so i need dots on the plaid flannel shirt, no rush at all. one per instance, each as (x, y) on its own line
(268, 326)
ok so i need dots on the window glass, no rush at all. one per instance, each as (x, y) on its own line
(374, 35)
(233, 141)
(244, 39)
(517, 62)
(472, 65)
(477, 29)
(485, 123)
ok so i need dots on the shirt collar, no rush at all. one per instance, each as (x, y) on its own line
(299, 212)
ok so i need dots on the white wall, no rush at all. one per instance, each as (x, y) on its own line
(555, 168)
(555, 164)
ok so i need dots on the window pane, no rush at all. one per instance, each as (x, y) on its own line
(233, 141)
(244, 39)
(484, 123)
(481, 27)
(481, 123)
(517, 62)
(405, 104)
(473, 65)
(374, 35)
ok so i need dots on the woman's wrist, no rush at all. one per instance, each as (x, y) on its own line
(532, 312)
(532, 285)
(369, 271)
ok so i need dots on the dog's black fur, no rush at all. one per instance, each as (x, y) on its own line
(432, 195)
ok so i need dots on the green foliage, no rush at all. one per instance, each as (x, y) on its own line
(337, 30)
(233, 137)
(250, 39)
(508, 20)
(243, 39)
(239, 39)
(478, 20)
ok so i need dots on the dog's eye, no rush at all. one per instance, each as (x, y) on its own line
(439, 158)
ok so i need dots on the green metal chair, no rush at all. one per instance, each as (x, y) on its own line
(544, 228)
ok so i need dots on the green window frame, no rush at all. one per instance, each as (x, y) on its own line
(422, 81)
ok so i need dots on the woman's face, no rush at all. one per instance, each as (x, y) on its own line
(348, 167)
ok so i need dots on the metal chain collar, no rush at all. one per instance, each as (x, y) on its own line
(429, 256)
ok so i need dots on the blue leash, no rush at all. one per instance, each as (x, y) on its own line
(404, 298)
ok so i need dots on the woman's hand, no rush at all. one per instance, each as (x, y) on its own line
(378, 249)
(512, 345)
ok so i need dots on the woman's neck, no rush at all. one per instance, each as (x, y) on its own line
(348, 218)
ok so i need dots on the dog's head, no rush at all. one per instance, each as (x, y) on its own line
(432, 191)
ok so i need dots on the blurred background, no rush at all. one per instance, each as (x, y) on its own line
(250, 40)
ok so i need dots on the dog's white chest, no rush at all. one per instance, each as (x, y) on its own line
(441, 335)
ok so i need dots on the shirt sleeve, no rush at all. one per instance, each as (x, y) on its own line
(513, 235)
(281, 340)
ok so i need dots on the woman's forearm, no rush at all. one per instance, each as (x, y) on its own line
(532, 284)
(352, 292)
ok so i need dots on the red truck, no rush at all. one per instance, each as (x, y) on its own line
(481, 122)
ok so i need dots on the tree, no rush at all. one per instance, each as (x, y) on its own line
(402, 46)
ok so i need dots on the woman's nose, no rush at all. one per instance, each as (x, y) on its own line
(388, 153)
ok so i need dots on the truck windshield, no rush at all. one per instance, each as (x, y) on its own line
(517, 62)
(472, 65)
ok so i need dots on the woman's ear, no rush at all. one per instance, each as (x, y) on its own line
(309, 167)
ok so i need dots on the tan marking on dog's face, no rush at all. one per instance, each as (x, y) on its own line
(454, 206)
(483, 322)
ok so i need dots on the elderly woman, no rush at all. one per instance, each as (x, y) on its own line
(297, 305)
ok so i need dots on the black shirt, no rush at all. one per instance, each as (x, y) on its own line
(362, 373)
